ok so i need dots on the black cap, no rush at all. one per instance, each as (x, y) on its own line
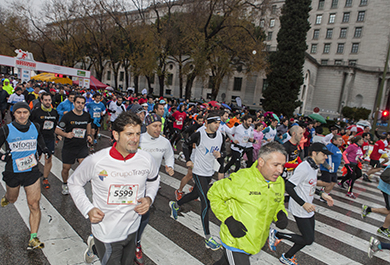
(21, 105)
(136, 108)
(319, 147)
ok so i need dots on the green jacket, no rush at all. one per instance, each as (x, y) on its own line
(247, 197)
(8, 87)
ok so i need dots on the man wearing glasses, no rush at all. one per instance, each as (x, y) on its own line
(75, 127)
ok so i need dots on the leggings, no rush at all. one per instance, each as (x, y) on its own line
(236, 157)
(353, 175)
(306, 227)
(144, 222)
(200, 191)
(233, 258)
(176, 136)
(385, 245)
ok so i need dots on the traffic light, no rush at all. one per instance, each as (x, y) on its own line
(59, 75)
(385, 115)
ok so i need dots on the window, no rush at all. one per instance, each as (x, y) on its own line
(346, 17)
(358, 32)
(355, 48)
(329, 33)
(343, 33)
(313, 48)
(338, 62)
(265, 84)
(334, 3)
(168, 91)
(316, 34)
(348, 3)
(268, 48)
(211, 82)
(272, 23)
(352, 62)
(318, 19)
(108, 75)
(273, 10)
(361, 15)
(237, 84)
(363, 2)
(321, 4)
(324, 62)
(269, 36)
(326, 47)
(332, 18)
(121, 76)
(340, 48)
(262, 23)
(170, 79)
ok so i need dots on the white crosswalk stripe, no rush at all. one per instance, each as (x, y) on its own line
(64, 244)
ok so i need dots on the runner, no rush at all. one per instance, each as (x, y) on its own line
(293, 151)
(247, 202)
(270, 132)
(301, 188)
(116, 108)
(179, 118)
(375, 156)
(353, 156)
(47, 118)
(208, 158)
(124, 184)
(67, 105)
(159, 147)
(328, 176)
(21, 138)
(96, 109)
(327, 138)
(75, 126)
(15, 98)
(385, 189)
(242, 143)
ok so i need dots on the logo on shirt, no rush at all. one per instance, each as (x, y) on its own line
(78, 122)
(212, 149)
(26, 145)
(134, 172)
(254, 193)
(102, 174)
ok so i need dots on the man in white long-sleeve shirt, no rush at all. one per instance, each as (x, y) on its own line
(159, 147)
(124, 183)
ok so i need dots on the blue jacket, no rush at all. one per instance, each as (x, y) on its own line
(64, 106)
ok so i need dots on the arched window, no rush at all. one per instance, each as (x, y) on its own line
(359, 100)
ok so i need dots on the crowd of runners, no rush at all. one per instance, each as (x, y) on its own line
(246, 166)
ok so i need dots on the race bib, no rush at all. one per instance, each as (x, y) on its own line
(96, 114)
(79, 133)
(123, 194)
(245, 139)
(48, 125)
(26, 163)
(179, 122)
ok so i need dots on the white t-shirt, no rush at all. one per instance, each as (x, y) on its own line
(242, 135)
(305, 181)
(118, 110)
(116, 187)
(159, 148)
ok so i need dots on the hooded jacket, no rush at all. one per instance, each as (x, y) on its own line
(251, 200)
(8, 87)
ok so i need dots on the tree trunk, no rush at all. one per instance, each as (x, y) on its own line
(181, 80)
(149, 84)
(216, 84)
(136, 79)
(161, 79)
(189, 83)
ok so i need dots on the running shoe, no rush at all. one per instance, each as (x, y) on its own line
(46, 184)
(385, 232)
(366, 178)
(285, 260)
(181, 157)
(89, 257)
(34, 244)
(273, 241)
(65, 189)
(178, 194)
(350, 195)
(4, 201)
(174, 148)
(364, 212)
(373, 247)
(341, 185)
(174, 210)
(212, 244)
(139, 257)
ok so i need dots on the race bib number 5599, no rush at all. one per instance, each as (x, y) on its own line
(123, 194)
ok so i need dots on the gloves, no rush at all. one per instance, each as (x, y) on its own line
(6, 156)
(236, 228)
(47, 153)
(282, 220)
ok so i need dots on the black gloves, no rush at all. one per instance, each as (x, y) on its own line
(236, 228)
(47, 152)
(282, 220)
(6, 156)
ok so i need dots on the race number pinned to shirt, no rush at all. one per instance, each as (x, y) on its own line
(123, 194)
(179, 122)
(96, 114)
(48, 125)
(78, 132)
(26, 163)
